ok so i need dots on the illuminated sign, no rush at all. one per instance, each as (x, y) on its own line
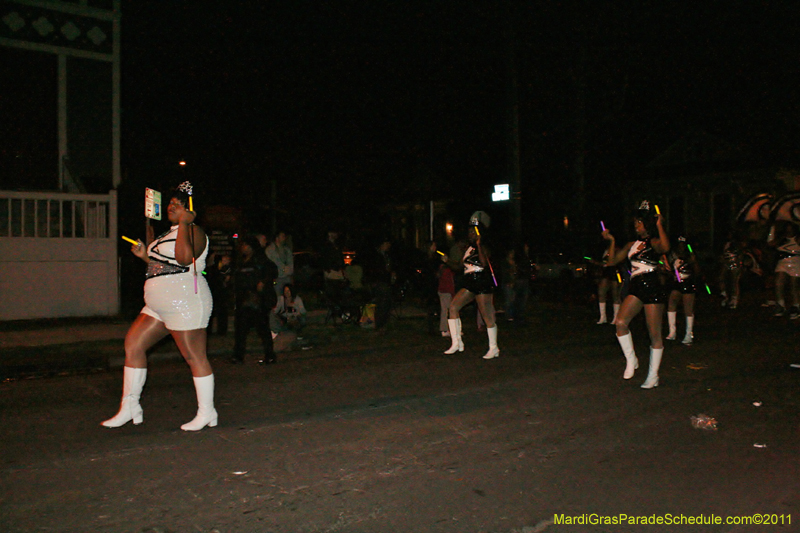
(501, 192)
(152, 204)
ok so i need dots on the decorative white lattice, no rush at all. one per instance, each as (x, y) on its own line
(70, 31)
(14, 21)
(43, 26)
(96, 35)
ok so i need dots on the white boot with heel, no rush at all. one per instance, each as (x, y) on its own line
(129, 409)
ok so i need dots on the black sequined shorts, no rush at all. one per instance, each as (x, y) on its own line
(687, 286)
(648, 288)
(479, 282)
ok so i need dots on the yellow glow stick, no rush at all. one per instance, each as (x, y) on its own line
(130, 240)
(191, 206)
(657, 210)
(478, 233)
(440, 253)
(619, 278)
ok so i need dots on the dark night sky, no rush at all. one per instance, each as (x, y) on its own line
(338, 101)
(329, 98)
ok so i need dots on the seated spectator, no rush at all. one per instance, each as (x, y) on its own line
(353, 273)
(289, 313)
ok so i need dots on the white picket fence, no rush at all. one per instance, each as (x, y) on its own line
(58, 255)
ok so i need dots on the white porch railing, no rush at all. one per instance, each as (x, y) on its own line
(58, 255)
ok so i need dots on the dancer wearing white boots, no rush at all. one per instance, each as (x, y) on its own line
(608, 281)
(683, 287)
(645, 289)
(178, 303)
(478, 284)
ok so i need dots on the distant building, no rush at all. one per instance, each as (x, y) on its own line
(700, 183)
(60, 165)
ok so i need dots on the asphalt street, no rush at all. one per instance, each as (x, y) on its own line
(384, 433)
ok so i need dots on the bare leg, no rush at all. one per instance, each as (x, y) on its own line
(688, 304)
(602, 289)
(674, 298)
(654, 314)
(780, 288)
(629, 308)
(486, 308)
(615, 291)
(143, 334)
(794, 283)
(462, 298)
(192, 345)
(602, 296)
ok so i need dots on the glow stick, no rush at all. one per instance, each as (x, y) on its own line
(478, 233)
(587, 258)
(689, 246)
(708, 289)
(658, 212)
(191, 206)
(619, 278)
(440, 253)
(602, 226)
(124, 238)
(677, 274)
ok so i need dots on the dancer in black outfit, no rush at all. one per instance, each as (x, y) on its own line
(645, 289)
(683, 287)
(478, 284)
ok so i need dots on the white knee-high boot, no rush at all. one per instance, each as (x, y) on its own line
(652, 374)
(689, 338)
(672, 320)
(631, 362)
(454, 325)
(603, 318)
(494, 351)
(129, 409)
(206, 414)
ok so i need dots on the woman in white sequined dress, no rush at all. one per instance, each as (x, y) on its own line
(178, 303)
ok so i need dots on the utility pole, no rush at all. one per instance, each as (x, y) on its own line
(513, 134)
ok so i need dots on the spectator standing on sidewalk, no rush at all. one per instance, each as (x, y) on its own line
(279, 252)
(379, 275)
(255, 297)
(445, 288)
(219, 276)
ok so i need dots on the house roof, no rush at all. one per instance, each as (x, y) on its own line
(698, 148)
